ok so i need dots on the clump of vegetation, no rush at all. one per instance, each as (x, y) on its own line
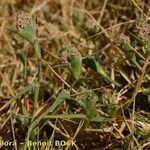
(79, 75)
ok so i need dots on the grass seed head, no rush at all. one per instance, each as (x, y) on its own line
(74, 61)
(25, 22)
(143, 29)
(123, 39)
(69, 52)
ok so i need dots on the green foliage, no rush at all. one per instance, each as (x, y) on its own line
(34, 123)
(74, 60)
(147, 45)
(62, 96)
(25, 34)
(75, 66)
(21, 55)
(22, 121)
(89, 110)
(93, 64)
(37, 48)
(87, 101)
(18, 96)
(145, 42)
(128, 50)
(27, 29)
(131, 8)
(79, 18)
(101, 119)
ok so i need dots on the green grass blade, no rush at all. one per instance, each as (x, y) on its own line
(75, 66)
(101, 119)
(93, 64)
(29, 36)
(62, 96)
(37, 48)
(101, 71)
(129, 51)
(18, 96)
(21, 55)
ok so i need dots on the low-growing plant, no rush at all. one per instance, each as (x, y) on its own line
(31, 123)
(88, 100)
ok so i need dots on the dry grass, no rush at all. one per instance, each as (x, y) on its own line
(103, 102)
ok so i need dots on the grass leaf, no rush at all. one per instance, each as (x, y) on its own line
(101, 119)
(18, 96)
(93, 64)
(75, 66)
(21, 55)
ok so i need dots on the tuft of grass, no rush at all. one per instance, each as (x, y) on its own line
(94, 90)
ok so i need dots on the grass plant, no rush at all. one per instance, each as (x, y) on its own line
(75, 74)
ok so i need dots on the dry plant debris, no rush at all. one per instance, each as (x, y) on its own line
(75, 75)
